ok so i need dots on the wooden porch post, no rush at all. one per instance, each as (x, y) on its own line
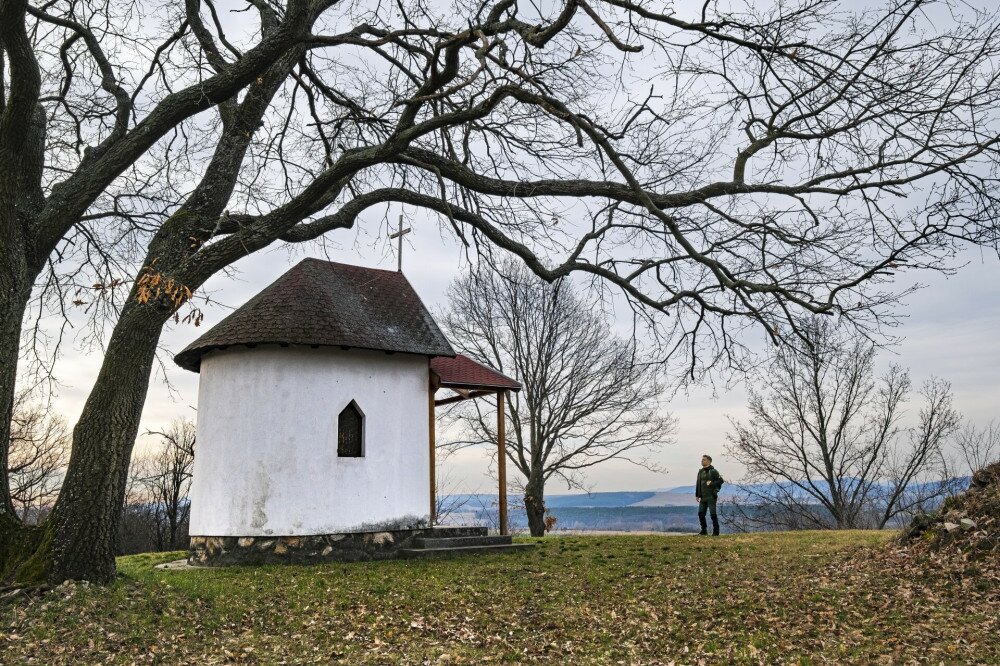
(502, 461)
(432, 442)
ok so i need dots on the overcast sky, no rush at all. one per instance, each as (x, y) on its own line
(951, 331)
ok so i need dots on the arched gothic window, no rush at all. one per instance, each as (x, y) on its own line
(351, 432)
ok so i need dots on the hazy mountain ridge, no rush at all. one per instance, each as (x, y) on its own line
(678, 496)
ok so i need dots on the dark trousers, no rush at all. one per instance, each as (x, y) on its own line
(705, 505)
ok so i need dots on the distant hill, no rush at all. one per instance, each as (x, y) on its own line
(666, 511)
(679, 496)
(599, 500)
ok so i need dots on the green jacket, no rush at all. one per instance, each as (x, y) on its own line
(702, 489)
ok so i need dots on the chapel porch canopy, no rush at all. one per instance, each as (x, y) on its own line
(470, 379)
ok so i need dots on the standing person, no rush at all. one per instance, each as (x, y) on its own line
(707, 491)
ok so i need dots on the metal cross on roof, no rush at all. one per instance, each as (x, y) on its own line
(399, 248)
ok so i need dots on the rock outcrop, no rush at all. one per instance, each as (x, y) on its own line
(967, 524)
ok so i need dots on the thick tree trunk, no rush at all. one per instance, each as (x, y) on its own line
(22, 155)
(86, 517)
(16, 279)
(173, 528)
(534, 504)
(15, 289)
(18, 270)
(17, 541)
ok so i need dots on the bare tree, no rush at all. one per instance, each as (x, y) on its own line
(139, 529)
(157, 506)
(167, 479)
(825, 437)
(780, 160)
(978, 447)
(39, 449)
(588, 396)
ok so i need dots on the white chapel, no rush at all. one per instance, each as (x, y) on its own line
(316, 411)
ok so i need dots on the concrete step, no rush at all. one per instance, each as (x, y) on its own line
(459, 541)
(443, 531)
(413, 553)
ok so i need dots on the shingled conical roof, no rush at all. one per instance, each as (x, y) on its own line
(323, 303)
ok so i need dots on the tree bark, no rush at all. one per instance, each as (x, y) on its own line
(172, 528)
(20, 198)
(15, 289)
(534, 504)
(86, 516)
(17, 275)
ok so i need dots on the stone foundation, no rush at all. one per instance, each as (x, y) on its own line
(213, 551)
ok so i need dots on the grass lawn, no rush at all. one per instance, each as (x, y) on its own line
(806, 597)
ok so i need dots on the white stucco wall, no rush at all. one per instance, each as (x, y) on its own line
(266, 461)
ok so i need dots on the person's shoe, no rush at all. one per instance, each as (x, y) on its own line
(703, 533)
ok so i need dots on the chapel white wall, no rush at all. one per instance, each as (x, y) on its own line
(266, 461)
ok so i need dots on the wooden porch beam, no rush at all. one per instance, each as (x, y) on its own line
(502, 461)
(432, 443)
(459, 398)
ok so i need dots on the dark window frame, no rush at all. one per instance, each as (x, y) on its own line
(356, 449)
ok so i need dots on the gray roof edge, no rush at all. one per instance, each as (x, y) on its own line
(190, 359)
